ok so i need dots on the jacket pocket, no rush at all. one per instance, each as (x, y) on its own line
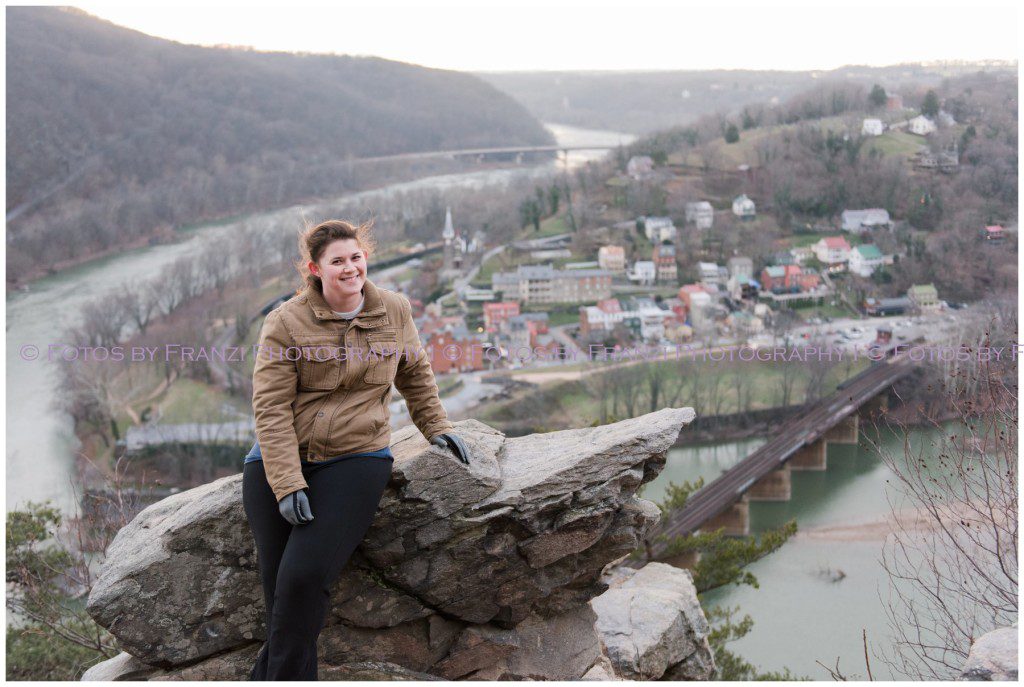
(320, 364)
(382, 357)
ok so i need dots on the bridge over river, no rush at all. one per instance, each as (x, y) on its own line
(518, 153)
(799, 444)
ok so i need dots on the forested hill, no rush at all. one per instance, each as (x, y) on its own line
(106, 125)
(645, 102)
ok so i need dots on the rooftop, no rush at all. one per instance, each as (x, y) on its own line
(869, 251)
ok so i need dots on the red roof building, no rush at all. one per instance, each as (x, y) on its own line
(496, 313)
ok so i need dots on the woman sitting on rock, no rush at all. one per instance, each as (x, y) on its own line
(311, 485)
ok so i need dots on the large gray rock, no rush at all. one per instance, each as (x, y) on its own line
(122, 667)
(236, 666)
(180, 582)
(652, 624)
(993, 656)
(462, 569)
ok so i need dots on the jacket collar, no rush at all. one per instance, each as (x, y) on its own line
(373, 314)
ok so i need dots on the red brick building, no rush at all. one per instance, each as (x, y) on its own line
(496, 313)
(466, 351)
(664, 257)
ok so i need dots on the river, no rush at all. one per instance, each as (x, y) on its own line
(40, 441)
(799, 614)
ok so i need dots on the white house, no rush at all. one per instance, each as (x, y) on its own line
(701, 214)
(643, 273)
(872, 127)
(832, 250)
(859, 221)
(740, 266)
(659, 229)
(743, 207)
(640, 167)
(711, 274)
(603, 318)
(801, 254)
(865, 259)
(652, 319)
(922, 126)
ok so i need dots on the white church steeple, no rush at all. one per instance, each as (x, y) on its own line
(449, 229)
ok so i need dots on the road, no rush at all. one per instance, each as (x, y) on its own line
(934, 327)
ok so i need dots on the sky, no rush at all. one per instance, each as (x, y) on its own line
(575, 35)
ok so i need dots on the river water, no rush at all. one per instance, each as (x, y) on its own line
(40, 439)
(800, 615)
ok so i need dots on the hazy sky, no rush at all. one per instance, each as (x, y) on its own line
(594, 35)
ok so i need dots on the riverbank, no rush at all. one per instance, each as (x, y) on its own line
(874, 529)
(158, 238)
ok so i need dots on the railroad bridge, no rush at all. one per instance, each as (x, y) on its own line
(764, 475)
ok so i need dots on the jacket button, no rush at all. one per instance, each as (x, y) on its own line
(320, 414)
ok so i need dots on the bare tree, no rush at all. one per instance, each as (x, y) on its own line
(654, 376)
(600, 385)
(626, 389)
(818, 369)
(742, 382)
(215, 267)
(716, 396)
(103, 322)
(952, 557)
(785, 383)
(673, 387)
(170, 296)
(139, 304)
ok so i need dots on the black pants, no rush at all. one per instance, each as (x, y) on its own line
(298, 565)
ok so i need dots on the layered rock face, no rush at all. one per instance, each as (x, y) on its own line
(485, 571)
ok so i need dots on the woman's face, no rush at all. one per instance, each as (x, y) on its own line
(341, 267)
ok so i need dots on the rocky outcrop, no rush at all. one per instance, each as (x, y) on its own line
(650, 621)
(993, 656)
(483, 571)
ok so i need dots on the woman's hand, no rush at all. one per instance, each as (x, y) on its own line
(295, 508)
(455, 443)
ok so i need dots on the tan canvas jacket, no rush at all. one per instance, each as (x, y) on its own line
(322, 384)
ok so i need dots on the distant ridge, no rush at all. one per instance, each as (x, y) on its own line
(641, 102)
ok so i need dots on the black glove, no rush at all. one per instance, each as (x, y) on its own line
(295, 508)
(455, 443)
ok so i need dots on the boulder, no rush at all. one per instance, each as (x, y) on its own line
(236, 666)
(993, 656)
(467, 572)
(122, 667)
(651, 624)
